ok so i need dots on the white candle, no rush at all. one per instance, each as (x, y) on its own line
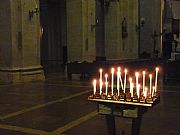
(106, 83)
(153, 90)
(132, 92)
(121, 81)
(125, 73)
(130, 85)
(144, 73)
(118, 83)
(150, 84)
(118, 74)
(100, 84)
(137, 83)
(100, 77)
(94, 85)
(157, 69)
(145, 92)
(100, 74)
(138, 91)
(106, 77)
(112, 80)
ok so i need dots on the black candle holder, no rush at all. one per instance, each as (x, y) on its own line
(128, 97)
(122, 96)
(136, 99)
(104, 96)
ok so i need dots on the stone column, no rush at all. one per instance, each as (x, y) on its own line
(116, 46)
(19, 42)
(80, 30)
(151, 11)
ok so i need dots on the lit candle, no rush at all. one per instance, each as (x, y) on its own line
(132, 92)
(138, 91)
(125, 73)
(130, 85)
(145, 92)
(150, 84)
(106, 83)
(118, 75)
(100, 74)
(121, 81)
(157, 69)
(94, 85)
(137, 76)
(144, 73)
(106, 77)
(101, 84)
(112, 80)
(100, 77)
(153, 90)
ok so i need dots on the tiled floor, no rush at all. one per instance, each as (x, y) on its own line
(58, 106)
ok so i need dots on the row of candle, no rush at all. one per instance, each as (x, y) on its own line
(123, 83)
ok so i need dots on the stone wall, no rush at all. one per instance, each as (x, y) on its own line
(80, 36)
(116, 46)
(151, 11)
(20, 45)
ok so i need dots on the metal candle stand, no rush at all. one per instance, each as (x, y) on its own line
(125, 100)
(132, 108)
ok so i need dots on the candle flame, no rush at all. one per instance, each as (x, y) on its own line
(130, 79)
(125, 70)
(144, 72)
(100, 70)
(150, 75)
(112, 70)
(106, 75)
(94, 81)
(119, 69)
(157, 69)
(136, 74)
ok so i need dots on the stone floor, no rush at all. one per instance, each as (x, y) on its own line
(58, 106)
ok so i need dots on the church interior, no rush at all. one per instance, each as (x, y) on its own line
(52, 50)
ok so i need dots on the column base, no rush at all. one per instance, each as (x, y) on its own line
(20, 75)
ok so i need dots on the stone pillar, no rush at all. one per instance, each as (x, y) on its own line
(80, 30)
(151, 11)
(116, 46)
(19, 42)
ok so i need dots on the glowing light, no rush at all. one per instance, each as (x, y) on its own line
(94, 85)
(112, 81)
(125, 74)
(156, 77)
(137, 83)
(150, 84)
(144, 73)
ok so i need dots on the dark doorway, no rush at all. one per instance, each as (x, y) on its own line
(100, 43)
(53, 39)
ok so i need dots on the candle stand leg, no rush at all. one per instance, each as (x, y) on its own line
(110, 111)
(111, 124)
(136, 125)
(69, 76)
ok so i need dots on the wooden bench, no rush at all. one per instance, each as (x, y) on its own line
(92, 69)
